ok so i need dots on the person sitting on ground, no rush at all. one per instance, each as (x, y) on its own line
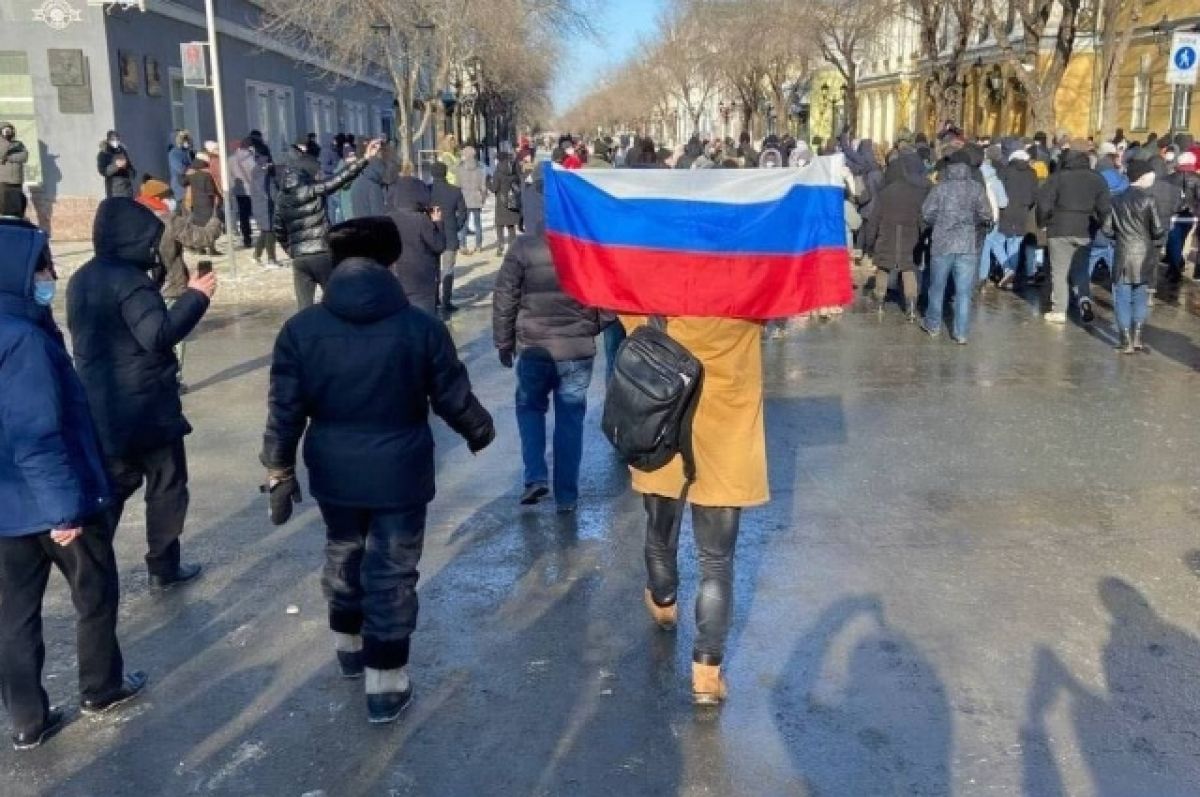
(368, 448)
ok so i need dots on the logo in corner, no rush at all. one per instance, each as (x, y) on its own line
(57, 14)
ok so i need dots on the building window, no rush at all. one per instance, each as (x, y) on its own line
(271, 109)
(1141, 94)
(1181, 108)
(16, 106)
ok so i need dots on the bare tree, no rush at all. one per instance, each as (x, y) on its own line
(1115, 21)
(943, 85)
(846, 30)
(1039, 81)
(681, 57)
(416, 44)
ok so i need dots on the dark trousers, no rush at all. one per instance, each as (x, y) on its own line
(244, 211)
(265, 240)
(165, 475)
(370, 578)
(91, 571)
(716, 530)
(309, 271)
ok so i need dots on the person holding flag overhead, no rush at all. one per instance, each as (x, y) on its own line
(706, 255)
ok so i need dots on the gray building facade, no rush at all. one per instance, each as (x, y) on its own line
(70, 71)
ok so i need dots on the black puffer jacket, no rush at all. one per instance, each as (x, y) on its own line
(530, 311)
(1135, 224)
(360, 372)
(1075, 200)
(1020, 184)
(423, 243)
(122, 333)
(301, 224)
(506, 177)
(892, 235)
(1189, 186)
(118, 181)
(454, 209)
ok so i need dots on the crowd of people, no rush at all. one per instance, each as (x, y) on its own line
(78, 440)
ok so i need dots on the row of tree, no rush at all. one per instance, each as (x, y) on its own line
(752, 51)
(424, 47)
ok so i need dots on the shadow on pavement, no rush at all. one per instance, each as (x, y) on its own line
(876, 723)
(1141, 736)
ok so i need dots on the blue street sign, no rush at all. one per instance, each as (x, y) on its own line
(1185, 58)
(1183, 67)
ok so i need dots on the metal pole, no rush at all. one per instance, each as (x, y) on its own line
(219, 109)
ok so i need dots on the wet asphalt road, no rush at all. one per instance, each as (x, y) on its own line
(978, 575)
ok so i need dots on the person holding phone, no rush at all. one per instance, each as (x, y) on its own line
(423, 240)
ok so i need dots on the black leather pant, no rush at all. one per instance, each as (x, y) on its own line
(716, 530)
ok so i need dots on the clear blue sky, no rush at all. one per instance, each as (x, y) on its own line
(619, 24)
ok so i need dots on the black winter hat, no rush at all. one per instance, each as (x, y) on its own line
(373, 237)
(1138, 169)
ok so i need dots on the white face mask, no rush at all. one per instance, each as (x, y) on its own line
(171, 204)
(43, 292)
(115, 143)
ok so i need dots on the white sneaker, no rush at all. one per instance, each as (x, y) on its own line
(1056, 318)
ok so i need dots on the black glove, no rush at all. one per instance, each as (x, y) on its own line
(283, 491)
(506, 359)
(484, 440)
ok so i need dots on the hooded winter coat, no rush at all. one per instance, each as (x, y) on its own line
(13, 157)
(423, 243)
(472, 179)
(364, 409)
(179, 158)
(301, 223)
(51, 470)
(203, 192)
(956, 209)
(530, 311)
(1020, 186)
(894, 234)
(118, 180)
(506, 177)
(368, 194)
(1136, 226)
(1075, 200)
(123, 334)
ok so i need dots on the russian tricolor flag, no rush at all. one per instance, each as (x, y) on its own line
(734, 243)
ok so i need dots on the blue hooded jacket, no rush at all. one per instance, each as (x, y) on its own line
(51, 472)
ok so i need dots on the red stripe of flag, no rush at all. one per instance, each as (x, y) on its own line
(643, 281)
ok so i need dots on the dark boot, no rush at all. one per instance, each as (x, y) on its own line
(1125, 346)
(389, 692)
(448, 291)
(1137, 338)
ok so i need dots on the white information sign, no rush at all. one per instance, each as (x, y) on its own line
(1183, 65)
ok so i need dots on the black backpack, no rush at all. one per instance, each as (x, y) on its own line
(652, 397)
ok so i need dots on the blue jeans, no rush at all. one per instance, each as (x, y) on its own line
(1102, 249)
(568, 380)
(614, 333)
(1004, 248)
(1131, 304)
(1175, 240)
(963, 269)
(474, 219)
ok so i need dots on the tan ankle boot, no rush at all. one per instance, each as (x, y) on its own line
(708, 687)
(667, 617)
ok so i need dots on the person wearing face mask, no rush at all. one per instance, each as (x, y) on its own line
(13, 157)
(115, 167)
(123, 336)
(179, 235)
(52, 483)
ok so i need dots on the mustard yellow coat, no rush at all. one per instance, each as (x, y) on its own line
(728, 434)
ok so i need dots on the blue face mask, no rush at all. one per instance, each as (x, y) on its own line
(43, 292)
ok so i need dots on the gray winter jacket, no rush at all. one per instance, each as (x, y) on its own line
(956, 208)
(472, 179)
(13, 157)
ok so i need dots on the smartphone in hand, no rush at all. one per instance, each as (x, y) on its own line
(204, 268)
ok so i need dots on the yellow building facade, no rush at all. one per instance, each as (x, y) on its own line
(892, 94)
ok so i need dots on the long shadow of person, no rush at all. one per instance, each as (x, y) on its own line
(878, 722)
(1140, 736)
